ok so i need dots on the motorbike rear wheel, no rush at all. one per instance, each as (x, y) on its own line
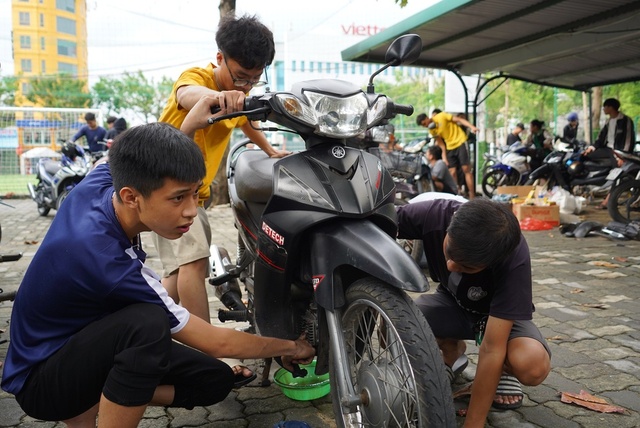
(495, 178)
(43, 210)
(624, 202)
(393, 362)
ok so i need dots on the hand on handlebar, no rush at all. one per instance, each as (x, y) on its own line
(198, 116)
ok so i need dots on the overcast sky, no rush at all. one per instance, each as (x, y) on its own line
(163, 37)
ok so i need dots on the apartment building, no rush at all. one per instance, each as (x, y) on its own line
(49, 37)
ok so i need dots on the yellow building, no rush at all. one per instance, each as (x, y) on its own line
(49, 37)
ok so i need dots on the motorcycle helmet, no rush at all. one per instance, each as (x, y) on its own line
(572, 117)
(576, 169)
(70, 150)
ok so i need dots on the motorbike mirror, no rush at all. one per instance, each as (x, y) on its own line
(404, 50)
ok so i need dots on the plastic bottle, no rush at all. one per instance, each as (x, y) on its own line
(541, 197)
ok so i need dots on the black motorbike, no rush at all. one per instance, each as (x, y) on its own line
(573, 170)
(624, 197)
(56, 178)
(317, 254)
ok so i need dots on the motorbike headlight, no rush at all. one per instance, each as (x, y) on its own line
(331, 116)
(291, 187)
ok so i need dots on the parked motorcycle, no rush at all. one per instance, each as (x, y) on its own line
(572, 170)
(624, 197)
(56, 178)
(317, 253)
(511, 170)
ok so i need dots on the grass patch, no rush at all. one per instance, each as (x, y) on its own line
(15, 185)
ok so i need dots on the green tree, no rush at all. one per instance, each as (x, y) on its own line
(416, 92)
(132, 92)
(8, 88)
(61, 90)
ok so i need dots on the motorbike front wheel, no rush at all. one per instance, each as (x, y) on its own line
(393, 362)
(495, 178)
(624, 202)
(61, 198)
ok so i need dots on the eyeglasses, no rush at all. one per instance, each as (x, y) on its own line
(241, 83)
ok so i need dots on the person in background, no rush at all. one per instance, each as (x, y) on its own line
(452, 139)
(245, 48)
(540, 142)
(570, 131)
(478, 255)
(119, 126)
(98, 335)
(442, 179)
(618, 133)
(93, 133)
(110, 121)
(514, 135)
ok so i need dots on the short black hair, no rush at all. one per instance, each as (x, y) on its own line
(111, 119)
(611, 102)
(435, 151)
(436, 111)
(143, 156)
(89, 116)
(246, 40)
(537, 123)
(482, 232)
(420, 118)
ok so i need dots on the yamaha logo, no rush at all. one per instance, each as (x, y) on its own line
(338, 152)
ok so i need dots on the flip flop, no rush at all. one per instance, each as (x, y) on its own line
(458, 367)
(509, 385)
(242, 380)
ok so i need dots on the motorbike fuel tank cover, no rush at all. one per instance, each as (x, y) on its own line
(338, 152)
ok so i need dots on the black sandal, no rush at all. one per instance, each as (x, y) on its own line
(241, 380)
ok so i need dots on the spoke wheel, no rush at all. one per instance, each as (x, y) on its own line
(393, 362)
(624, 202)
(496, 178)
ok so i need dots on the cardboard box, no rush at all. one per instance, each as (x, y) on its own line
(548, 213)
(521, 191)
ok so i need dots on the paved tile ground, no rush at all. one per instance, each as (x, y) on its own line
(586, 293)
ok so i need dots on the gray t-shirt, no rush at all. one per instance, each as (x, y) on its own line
(440, 172)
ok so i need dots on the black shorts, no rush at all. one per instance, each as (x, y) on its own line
(458, 156)
(125, 355)
(448, 320)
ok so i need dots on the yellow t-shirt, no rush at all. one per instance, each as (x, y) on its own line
(213, 139)
(452, 134)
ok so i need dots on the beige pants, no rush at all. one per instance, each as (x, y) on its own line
(193, 245)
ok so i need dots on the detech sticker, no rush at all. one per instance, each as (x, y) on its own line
(272, 234)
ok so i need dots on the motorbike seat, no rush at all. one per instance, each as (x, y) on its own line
(51, 166)
(254, 176)
(597, 164)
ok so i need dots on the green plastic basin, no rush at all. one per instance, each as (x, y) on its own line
(310, 387)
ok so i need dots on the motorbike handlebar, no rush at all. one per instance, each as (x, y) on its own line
(406, 110)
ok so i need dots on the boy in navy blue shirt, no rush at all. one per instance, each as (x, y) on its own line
(93, 331)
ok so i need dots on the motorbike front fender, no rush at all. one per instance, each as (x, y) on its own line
(543, 171)
(342, 252)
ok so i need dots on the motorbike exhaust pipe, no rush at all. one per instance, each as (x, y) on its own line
(32, 191)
